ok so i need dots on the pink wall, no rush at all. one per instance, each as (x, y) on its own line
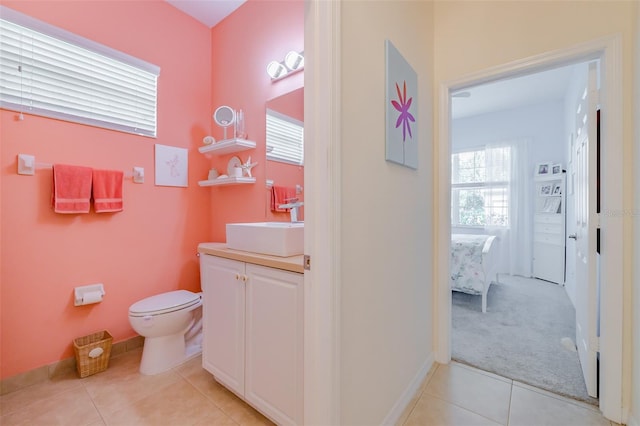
(291, 104)
(147, 249)
(242, 46)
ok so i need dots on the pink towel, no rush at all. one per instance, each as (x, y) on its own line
(71, 189)
(281, 195)
(107, 191)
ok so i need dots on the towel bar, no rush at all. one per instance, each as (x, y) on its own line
(27, 165)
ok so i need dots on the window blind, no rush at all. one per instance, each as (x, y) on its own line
(285, 138)
(47, 71)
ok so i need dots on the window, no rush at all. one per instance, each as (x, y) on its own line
(480, 187)
(50, 72)
(285, 138)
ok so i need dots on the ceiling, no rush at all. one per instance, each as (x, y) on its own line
(490, 97)
(512, 93)
(209, 12)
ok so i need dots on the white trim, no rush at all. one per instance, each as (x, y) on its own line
(409, 393)
(442, 289)
(322, 213)
(608, 50)
(612, 235)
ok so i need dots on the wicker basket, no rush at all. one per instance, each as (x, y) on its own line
(88, 360)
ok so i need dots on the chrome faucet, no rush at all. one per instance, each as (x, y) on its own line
(293, 205)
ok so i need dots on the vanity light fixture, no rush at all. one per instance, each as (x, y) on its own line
(293, 62)
(276, 70)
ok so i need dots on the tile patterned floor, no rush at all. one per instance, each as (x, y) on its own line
(457, 394)
(185, 395)
(452, 394)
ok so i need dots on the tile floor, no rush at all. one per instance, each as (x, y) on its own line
(457, 394)
(187, 395)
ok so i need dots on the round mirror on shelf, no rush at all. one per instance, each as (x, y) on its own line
(224, 117)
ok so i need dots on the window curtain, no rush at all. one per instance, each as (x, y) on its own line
(515, 241)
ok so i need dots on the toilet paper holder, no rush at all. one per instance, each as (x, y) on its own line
(88, 294)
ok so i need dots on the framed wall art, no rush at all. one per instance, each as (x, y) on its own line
(172, 166)
(401, 109)
(543, 169)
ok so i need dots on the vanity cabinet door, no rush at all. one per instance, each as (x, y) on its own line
(224, 320)
(274, 343)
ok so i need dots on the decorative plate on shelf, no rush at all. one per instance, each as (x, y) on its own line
(233, 163)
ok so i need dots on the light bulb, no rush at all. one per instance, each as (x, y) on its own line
(276, 69)
(294, 60)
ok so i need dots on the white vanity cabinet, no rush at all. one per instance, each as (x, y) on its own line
(253, 334)
(223, 315)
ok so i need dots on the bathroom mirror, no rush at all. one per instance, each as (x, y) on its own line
(284, 135)
(224, 117)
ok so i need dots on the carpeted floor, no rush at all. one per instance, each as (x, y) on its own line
(523, 335)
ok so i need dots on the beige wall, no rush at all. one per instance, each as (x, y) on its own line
(473, 36)
(387, 235)
(635, 355)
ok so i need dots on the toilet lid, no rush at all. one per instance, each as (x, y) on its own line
(164, 303)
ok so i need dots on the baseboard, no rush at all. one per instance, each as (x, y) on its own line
(46, 372)
(402, 404)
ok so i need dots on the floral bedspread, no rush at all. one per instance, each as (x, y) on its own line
(467, 275)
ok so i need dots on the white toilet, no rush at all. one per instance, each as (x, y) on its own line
(165, 321)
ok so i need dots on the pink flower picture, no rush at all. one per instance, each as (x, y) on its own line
(401, 109)
(405, 117)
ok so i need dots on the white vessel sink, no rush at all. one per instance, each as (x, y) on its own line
(272, 238)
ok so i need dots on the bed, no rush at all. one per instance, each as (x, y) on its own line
(473, 264)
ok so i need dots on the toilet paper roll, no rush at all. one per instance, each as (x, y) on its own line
(91, 297)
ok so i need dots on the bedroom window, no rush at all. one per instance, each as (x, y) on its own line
(50, 72)
(480, 187)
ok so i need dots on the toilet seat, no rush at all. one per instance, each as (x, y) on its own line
(164, 303)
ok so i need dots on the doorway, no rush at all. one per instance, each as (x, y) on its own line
(607, 51)
(502, 133)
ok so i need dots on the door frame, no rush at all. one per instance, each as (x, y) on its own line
(322, 179)
(609, 51)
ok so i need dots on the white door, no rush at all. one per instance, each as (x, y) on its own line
(585, 235)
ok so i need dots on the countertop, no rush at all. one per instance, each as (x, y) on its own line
(292, 263)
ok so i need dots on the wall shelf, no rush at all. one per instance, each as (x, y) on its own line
(228, 181)
(227, 146)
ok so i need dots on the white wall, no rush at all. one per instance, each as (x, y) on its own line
(387, 221)
(542, 125)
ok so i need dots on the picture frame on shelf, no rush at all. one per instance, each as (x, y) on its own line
(543, 169)
(557, 189)
(546, 189)
(556, 169)
(551, 205)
